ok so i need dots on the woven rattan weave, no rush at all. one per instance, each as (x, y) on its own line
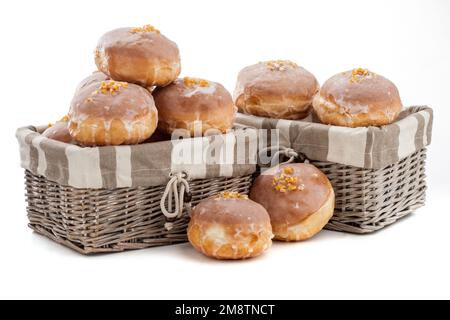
(100, 220)
(368, 200)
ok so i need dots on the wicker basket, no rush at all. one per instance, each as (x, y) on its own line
(152, 211)
(99, 220)
(368, 200)
(373, 188)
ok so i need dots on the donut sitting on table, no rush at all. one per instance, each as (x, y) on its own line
(230, 226)
(298, 197)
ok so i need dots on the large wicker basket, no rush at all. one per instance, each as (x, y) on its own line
(378, 174)
(107, 218)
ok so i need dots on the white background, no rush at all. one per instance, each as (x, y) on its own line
(47, 47)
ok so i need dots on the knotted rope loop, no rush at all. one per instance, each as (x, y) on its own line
(177, 192)
(286, 152)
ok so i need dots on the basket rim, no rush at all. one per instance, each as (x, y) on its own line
(364, 147)
(146, 164)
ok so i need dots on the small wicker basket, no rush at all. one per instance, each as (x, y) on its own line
(378, 174)
(105, 217)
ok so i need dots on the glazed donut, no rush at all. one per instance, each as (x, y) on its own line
(195, 105)
(275, 89)
(230, 226)
(59, 131)
(138, 55)
(95, 77)
(357, 98)
(298, 197)
(112, 113)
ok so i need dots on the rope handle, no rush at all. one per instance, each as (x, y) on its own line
(177, 189)
(283, 151)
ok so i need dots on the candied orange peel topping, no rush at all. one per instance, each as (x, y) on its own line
(190, 82)
(63, 119)
(288, 170)
(111, 87)
(280, 65)
(359, 74)
(284, 181)
(231, 195)
(146, 28)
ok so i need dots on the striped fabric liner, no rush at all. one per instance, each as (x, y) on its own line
(370, 148)
(149, 164)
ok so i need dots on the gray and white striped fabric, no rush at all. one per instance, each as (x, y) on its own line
(365, 147)
(149, 164)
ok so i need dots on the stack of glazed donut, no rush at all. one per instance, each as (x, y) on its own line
(136, 96)
(136, 91)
